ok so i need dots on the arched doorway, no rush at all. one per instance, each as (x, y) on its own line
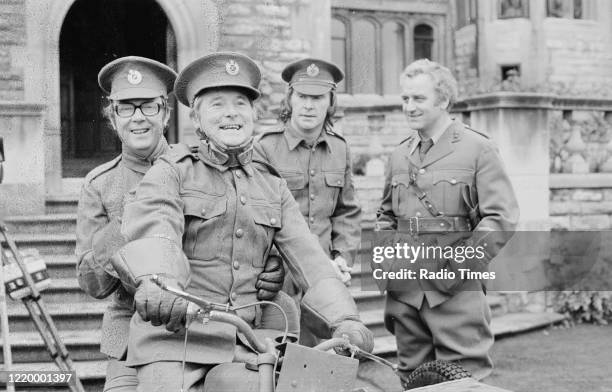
(93, 33)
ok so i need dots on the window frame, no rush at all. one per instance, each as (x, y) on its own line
(407, 20)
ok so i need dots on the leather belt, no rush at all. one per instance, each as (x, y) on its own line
(443, 224)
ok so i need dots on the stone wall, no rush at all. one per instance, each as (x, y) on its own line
(263, 30)
(579, 55)
(12, 35)
(581, 202)
(466, 54)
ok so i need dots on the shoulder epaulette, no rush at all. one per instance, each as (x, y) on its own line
(330, 131)
(408, 139)
(263, 165)
(178, 152)
(272, 131)
(481, 133)
(103, 168)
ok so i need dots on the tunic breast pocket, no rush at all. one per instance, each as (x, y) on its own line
(335, 182)
(295, 180)
(400, 186)
(203, 237)
(448, 187)
(267, 219)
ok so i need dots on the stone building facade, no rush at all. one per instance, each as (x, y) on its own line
(551, 60)
(50, 51)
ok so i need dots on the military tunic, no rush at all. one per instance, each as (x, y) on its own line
(98, 227)
(320, 180)
(212, 228)
(463, 170)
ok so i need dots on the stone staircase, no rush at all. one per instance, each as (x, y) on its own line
(78, 317)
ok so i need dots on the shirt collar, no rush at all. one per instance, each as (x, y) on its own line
(294, 139)
(140, 164)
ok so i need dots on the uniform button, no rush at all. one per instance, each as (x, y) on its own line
(311, 219)
(453, 181)
(233, 296)
(236, 264)
(338, 182)
(418, 214)
(312, 172)
(272, 221)
(441, 224)
(312, 196)
(243, 199)
(421, 171)
(239, 233)
(394, 183)
(203, 211)
(237, 173)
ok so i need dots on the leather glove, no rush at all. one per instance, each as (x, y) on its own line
(270, 281)
(160, 307)
(342, 270)
(357, 334)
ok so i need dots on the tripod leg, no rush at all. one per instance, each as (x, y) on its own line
(6, 346)
(45, 325)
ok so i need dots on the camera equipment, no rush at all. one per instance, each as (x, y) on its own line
(23, 274)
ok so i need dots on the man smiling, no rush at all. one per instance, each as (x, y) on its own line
(445, 186)
(207, 220)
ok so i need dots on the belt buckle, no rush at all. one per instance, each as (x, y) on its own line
(414, 227)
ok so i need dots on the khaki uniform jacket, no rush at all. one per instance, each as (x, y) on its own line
(320, 180)
(462, 160)
(99, 236)
(212, 227)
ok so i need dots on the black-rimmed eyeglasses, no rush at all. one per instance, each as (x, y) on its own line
(148, 109)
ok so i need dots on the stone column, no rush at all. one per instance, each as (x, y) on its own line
(23, 188)
(518, 123)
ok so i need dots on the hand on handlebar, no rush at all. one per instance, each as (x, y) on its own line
(159, 306)
(357, 334)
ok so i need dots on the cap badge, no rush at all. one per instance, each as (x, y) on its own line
(134, 77)
(312, 70)
(232, 67)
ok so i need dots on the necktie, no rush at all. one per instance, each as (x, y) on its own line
(424, 147)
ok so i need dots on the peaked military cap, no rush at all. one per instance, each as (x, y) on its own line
(136, 77)
(220, 69)
(312, 76)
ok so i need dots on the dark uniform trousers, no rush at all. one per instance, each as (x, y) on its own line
(211, 227)
(447, 319)
(320, 179)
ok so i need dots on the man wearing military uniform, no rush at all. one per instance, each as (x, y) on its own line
(316, 163)
(206, 222)
(138, 90)
(445, 185)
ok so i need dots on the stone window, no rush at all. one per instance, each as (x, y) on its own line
(568, 9)
(513, 9)
(466, 12)
(339, 47)
(423, 40)
(373, 47)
